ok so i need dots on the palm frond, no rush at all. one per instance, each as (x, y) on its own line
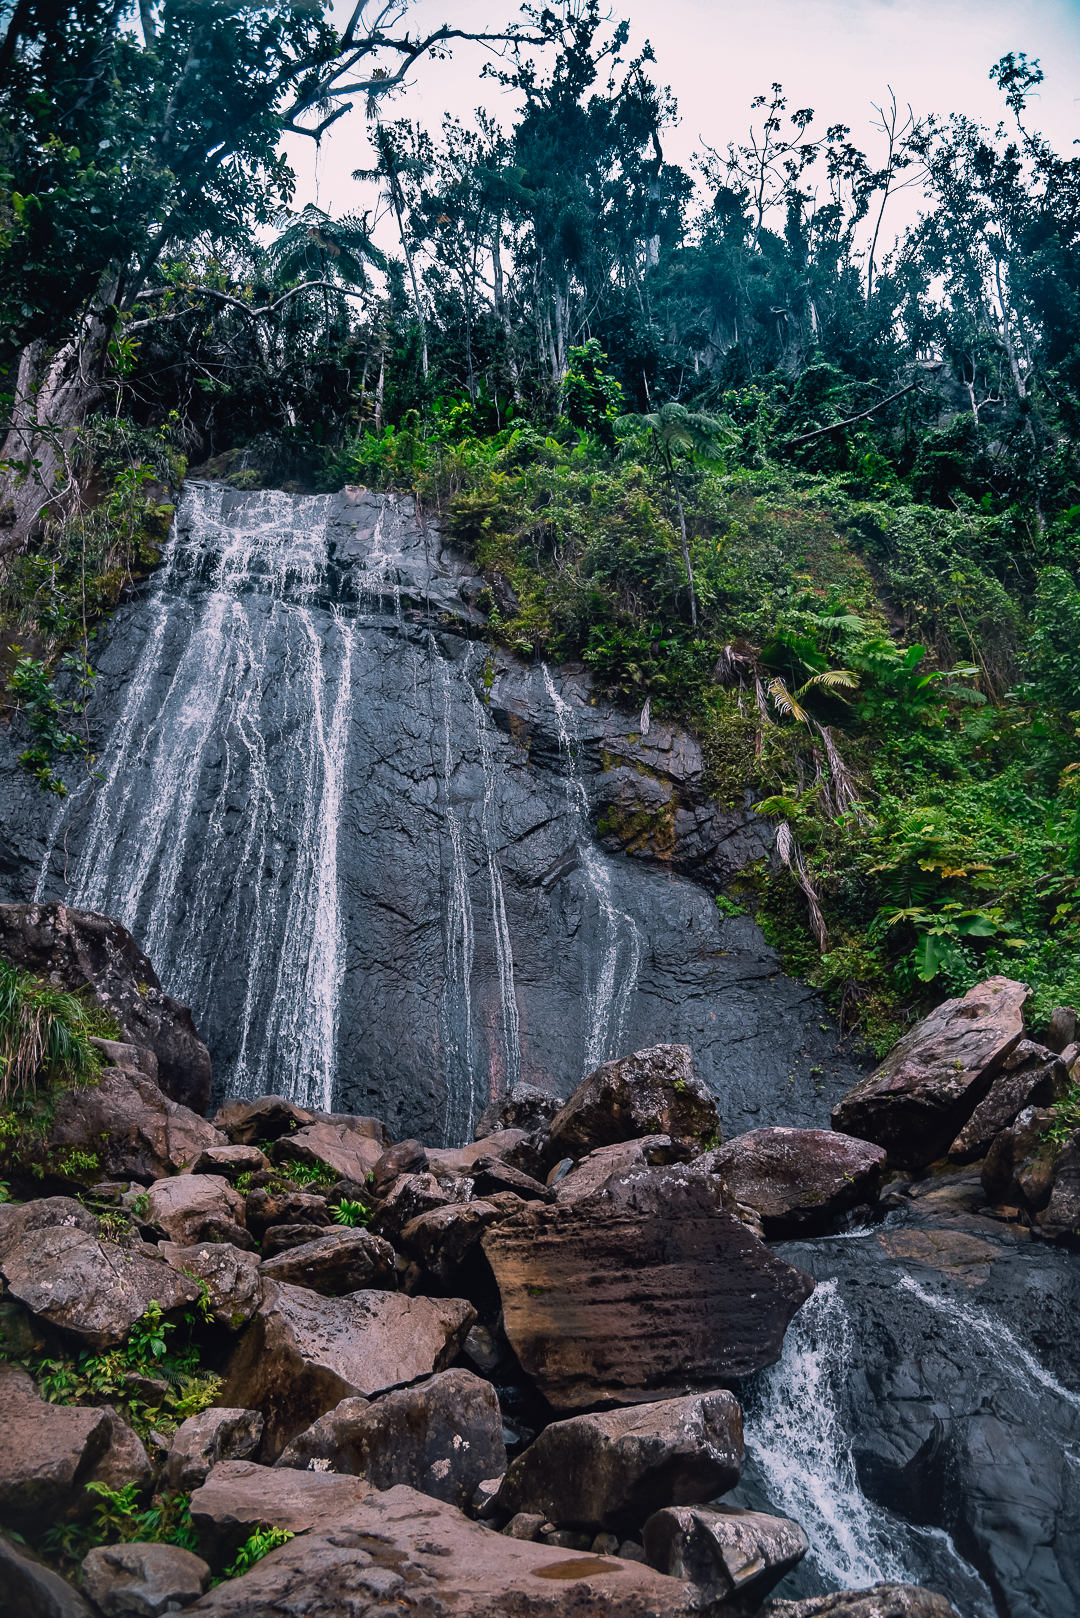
(784, 702)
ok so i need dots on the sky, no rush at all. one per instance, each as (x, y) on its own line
(838, 56)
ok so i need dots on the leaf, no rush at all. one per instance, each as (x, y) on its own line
(784, 702)
(930, 953)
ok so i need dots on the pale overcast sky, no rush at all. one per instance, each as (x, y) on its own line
(838, 56)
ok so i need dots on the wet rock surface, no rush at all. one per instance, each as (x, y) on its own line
(653, 1092)
(453, 802)
(797, 1180)
(132, 1129)
(734, 1557)
(646, 1289)
(881, 1601)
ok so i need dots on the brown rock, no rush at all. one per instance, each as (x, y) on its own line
(128, 1058)
(408, 1157)
(266, 1119)
(490, 1175)
(303, 1354)
(125, 1460)
(734, 1557)
(881, 1601)
(350, 1152)
(455, 1161)
(81, 950)
(918, 1100)
(212, 1436)
(409, 1197)
(134, 1130)
(238, 1497)
(646, 1289)
(797, 1180)
(266, 1208)
(1060, 1219)
(143, 1581)
(653, 1092)
(442, 1239)
(1019, 1166)
(230, 1274)
(590, 1174)
(193, 1208)
(18, 1219)
(443, 1437)
(31, 1588)
(525, 1107)
(94, 1290)
(47, 1452)
(283, 1238)
(1063, 1028)
(404, 1552)
(335, 1263)
(1027, 1083)
(615, 1469)
(231, 1161)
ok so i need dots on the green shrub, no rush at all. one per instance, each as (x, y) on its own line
(44, 1036)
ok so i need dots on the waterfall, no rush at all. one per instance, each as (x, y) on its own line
(456, 1006)
(503, 950)
(801, 1450)
(607, 995)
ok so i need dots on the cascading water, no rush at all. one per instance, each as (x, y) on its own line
(801, 1459)
(608, 990)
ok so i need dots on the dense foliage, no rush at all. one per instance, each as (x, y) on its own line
(815, 496)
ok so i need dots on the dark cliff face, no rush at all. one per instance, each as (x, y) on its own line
(390, 871)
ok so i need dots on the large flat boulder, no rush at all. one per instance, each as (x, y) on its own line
(614, 1469)
(47, 1452)
(133, 1129)
(82, 950)
(797, 1180)
(336, 1262)
(918, 1100)
(443, 1437)
(403, 1552)
(93, 1290)
(193, 1208)
(646, 1289)
(349, 1150)
(734, 1557)
(653, 1092)
(302, 1353)
(238, 1497)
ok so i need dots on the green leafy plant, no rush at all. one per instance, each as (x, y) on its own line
(44, 1035)
(259, 1544)
(352, 1214)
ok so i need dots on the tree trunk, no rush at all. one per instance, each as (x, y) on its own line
(53, 397)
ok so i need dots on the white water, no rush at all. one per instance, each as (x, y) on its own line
(456, 1004)
(504, 957)
(607, 995)
(796, 1435)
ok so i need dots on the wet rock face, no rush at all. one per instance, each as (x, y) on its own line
(929, 1085)
(77, 949)
(422, 821)
(645, 1289)
(797, 1180)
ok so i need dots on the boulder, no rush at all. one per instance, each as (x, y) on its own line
(1063, 1028)
(200, 1442)
(238, 1497)
(490, 1175)
(918, 1100)
(734, 1557)
(230, 1274)
(134, 1131)
(47, 1453)
(582, 1179)
(94, 1290)
(512, 1146)
(653, 1092)
(349, 1151)
(18, 1219)
(403, 1552)
(142, 1581)
(266, 1119)
(1019, 1167)
(193, 1208)
(645, 1289)
(797, 1180)
(283, 1238)
(125, 1460)
(32, 1589)
(83, 951)
(443, 1437)
(408, 1198)
(880, 1601)
(231, 1161)
(442, 1239)
(1060, 1219)
(407, 1157)
(1032, 1077)
(265, 1208)
(524, 1108)
(613, 1470)
(302, 1353)
(335, 1263)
